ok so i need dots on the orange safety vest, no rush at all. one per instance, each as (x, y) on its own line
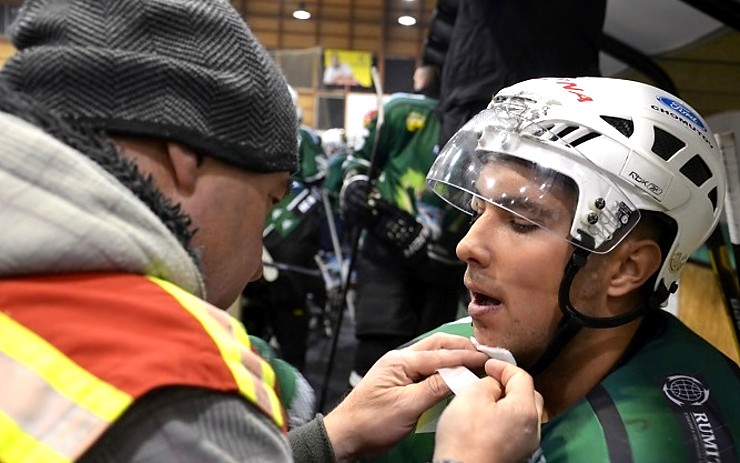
(77, 350)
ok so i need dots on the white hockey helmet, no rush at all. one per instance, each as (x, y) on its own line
(625, 146)
(334, 141)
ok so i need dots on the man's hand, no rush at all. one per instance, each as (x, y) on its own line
(495, 419)
(353, 200)
(385, 405)
(397, 227)
(362, 205)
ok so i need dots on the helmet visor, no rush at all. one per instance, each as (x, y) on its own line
(504, 158)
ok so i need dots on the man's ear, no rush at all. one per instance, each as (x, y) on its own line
(185, 163)
(638, 261)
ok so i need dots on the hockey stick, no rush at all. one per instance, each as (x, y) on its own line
(720, 257)
(311, 272)
(347, 277)
(336, 246)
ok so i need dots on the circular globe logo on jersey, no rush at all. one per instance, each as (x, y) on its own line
(682, 110)
(685, 390)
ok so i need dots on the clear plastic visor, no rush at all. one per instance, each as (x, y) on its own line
(522, 168)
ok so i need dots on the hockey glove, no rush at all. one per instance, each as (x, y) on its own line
(397, 227)
(353, 201)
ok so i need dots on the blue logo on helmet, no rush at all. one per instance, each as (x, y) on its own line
(683, 111)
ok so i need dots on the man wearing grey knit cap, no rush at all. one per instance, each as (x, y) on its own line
(144, 141)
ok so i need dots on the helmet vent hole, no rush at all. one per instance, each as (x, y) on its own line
(666, 145)
(563, 133)
(713, 197)
(585, 138)
(696, 170)
(625, 126)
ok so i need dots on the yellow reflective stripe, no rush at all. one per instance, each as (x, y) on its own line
(238, 330)
(230, 350)
(17, 446)
(77, 406)
(68, 378)
(268, 373)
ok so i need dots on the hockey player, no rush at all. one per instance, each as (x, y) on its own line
(587, 197)
(408, 278)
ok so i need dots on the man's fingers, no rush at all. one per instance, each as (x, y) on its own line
(487, 387)
(432, 389)
(420, 364)
(442, 341)
(428, 391)
(517, 385)
(540, 404)
(509, 375)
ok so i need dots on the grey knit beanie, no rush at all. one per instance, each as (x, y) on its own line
(188, 71)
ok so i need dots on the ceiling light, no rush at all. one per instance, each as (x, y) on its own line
(301, 12)
(406, 20)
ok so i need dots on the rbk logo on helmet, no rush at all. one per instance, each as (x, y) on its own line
(652, 187)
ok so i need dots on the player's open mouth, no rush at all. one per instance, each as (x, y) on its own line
(483, 300)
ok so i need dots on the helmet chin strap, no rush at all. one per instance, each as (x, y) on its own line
(573, 320)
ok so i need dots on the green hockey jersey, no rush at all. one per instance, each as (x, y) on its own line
(302, 201)
(407, 147)
(674, 399)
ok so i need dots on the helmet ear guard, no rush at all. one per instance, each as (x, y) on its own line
(628, 147)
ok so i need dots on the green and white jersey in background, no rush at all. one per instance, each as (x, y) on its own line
(287, 215)
(406, 150)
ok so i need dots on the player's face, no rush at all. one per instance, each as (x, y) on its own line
(514, 267)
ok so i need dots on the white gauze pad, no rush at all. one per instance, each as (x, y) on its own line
(498, 353)
(457, 378)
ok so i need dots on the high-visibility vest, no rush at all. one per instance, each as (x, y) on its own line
(77, 350)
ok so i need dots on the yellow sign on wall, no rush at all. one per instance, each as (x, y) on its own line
(348, 67)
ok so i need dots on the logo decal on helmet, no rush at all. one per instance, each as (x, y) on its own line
(685, 116)
(683, 111)
(645, 183)
(677, 261)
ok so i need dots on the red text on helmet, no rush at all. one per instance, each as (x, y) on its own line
(571, 87)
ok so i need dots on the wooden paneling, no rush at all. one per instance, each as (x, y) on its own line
(258, 8)
(368, 25)
(336, 27)
(269, 39)
(701, 307)
(706, 74)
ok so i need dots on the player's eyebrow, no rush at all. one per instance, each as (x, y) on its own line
(524, 206)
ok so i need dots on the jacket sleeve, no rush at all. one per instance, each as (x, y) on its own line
(310, 443)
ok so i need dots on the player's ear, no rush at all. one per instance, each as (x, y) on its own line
(636, 261)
